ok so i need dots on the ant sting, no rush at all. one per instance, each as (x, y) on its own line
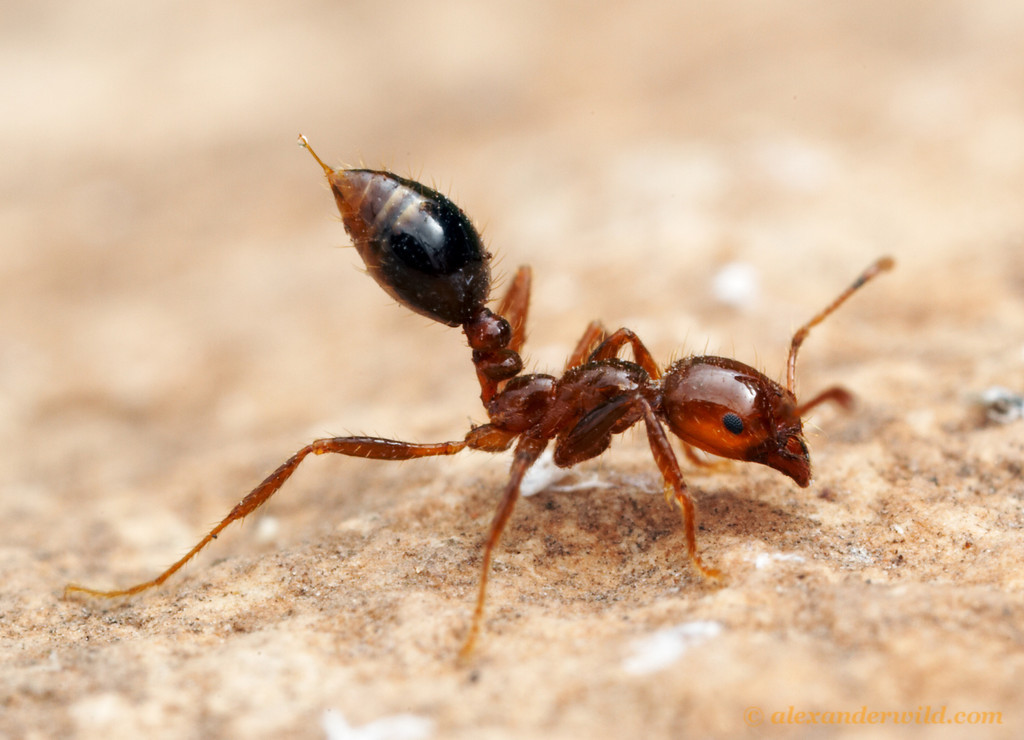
(424, 252)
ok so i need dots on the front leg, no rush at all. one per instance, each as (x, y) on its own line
(675, 487)
(836, 394)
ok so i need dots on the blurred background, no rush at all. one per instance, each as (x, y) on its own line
(166, 246)
(152, 192)
(175, 316)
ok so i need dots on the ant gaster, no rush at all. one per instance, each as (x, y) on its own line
(427, 255)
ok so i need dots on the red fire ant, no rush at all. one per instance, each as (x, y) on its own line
(426, 254)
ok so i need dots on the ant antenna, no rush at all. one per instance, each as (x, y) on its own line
(879, 266)
(304, 143)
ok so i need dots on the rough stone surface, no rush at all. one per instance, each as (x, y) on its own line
(175, 322)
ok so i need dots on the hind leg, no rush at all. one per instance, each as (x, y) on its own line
(593, 335)
(515, 306)
(374, 448)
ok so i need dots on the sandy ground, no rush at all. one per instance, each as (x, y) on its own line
(175, 320)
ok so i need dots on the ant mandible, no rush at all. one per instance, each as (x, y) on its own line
(424, 252)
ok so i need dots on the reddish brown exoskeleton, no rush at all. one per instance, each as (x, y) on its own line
(426, 254)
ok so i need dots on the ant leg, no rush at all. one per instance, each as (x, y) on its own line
(675, 487)
(515, 305)
(527, 452)
(593, 335)
(368, 447)
(610, 347)
(836, 394)
(489, 438)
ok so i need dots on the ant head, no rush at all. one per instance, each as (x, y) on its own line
(731, 410)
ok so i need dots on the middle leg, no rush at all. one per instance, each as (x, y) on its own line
(527, 452)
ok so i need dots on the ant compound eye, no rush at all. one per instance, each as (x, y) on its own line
(733, 423)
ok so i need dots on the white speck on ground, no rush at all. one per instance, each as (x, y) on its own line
(663, 648)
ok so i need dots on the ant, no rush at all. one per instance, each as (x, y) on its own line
(424, 252)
